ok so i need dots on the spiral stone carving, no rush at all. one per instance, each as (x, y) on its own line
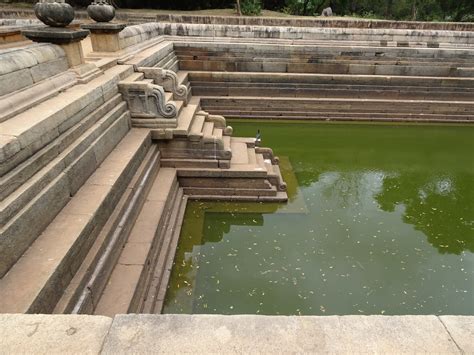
(165, 109)
(168, 79)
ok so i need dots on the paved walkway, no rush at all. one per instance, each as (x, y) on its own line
(203, 334)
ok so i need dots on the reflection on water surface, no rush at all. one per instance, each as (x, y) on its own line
(380, 221)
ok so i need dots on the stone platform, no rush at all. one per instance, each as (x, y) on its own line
(205, 334)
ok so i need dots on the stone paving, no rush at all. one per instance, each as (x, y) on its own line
(205, 334)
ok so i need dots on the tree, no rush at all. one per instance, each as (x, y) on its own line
(413, 11)
(239, 10)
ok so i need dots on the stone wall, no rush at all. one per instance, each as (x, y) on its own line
(136, 18)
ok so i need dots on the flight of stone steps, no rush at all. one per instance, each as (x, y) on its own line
(203, 141)
(93, 213)
(63, 141)
(340, 82)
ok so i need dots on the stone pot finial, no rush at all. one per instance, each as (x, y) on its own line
(101, 11)
(55, 13)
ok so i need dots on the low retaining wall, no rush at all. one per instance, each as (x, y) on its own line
(265, 21)
(199, 334)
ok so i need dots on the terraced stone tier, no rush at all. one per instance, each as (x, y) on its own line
(331, 86)
(340, 58)
(340, 109)
(36, 282)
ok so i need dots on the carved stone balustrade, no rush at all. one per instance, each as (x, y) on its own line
(147, 100)
(168, 79)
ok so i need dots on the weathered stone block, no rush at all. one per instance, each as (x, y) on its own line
(20, 232)
(48, 69)
(17, 80)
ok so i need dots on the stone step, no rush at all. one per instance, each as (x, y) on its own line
(222, 191)
(169, 97)
(36, 282)
(179, 105)
(90, 279)
(218, 133)
(119, 295)
(273, 104)
(340, 68)
(27, 224)
(148, 81)
(195, 134)
(183, 77)
(282, 79)
(239, 153)
(185, 121)
(24, 171)
(360, 85)
(207, 129)
(376, 112)
(252, 156)
(235, 171)
(136, 76)
(20, 185)
(153, 298)
(25, 134)
(217, 183)
(279, 182)
(367, 92)
(421, 117)
(227, 140)
(261, 161)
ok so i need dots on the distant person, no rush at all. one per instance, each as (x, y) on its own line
(327, 12)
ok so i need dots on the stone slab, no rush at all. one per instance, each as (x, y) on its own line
(261, 334)
(38, 334)
(55, 35)
(461, 329)
(104, 27)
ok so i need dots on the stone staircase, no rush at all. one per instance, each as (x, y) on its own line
(201, 146)
(345, 81)
(341, 109)
(92, 203)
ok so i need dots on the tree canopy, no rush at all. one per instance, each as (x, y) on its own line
(427, 10)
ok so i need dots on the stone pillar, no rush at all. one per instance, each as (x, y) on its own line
(104, 36)
(57, 15)
(68, 38)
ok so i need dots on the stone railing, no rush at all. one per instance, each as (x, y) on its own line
(147, 100)
(168, 79)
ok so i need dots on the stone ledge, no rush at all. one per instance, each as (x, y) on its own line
(41, 334)
(38, 334)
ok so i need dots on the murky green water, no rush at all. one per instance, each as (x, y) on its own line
(381, 221)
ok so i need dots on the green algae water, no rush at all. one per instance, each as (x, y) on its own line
(380, 221)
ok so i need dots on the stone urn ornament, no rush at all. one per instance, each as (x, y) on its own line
(101, 11)
(55, 13)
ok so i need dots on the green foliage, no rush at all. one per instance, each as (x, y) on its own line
(251, 7)
(421, 10)
(305, 7)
